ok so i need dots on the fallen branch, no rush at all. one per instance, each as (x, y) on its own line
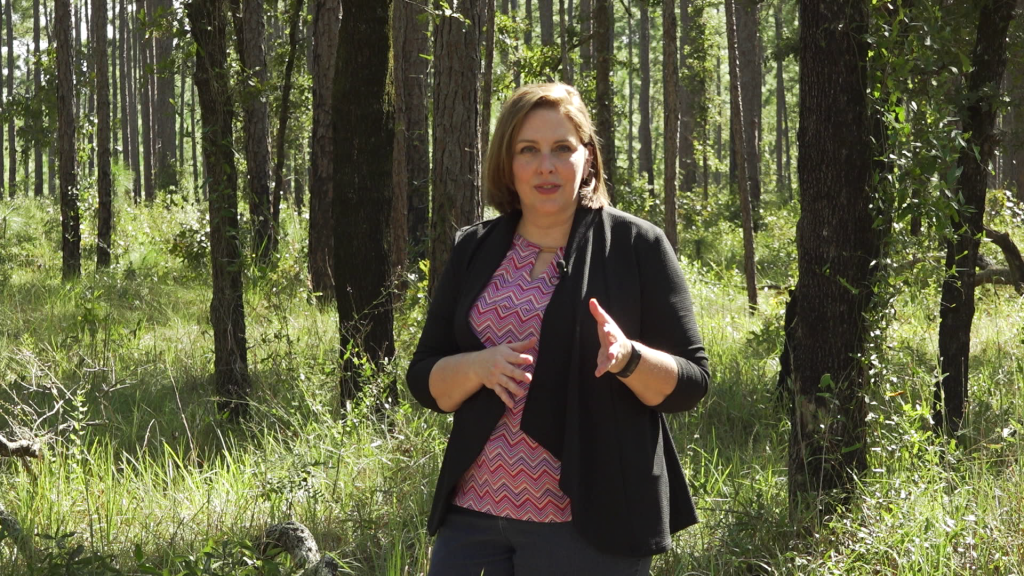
(19, 449)
(1000, 276)
(1013, 258)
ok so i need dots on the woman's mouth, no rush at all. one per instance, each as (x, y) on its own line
(547, 188)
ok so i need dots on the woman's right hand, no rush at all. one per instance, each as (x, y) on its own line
(498, 368)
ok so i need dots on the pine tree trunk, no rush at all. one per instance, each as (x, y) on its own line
(645, 158)
(145, 72)
(528, 36)
(670, 86)
(71, 236)
(12, 150)
(412, 158)
(956, 309)
(3, 108)
(104, 179)
(122, 61)
(198, 186)
(37, 83)
(565, 70)
(748, 39)
(545, 9)
(179, 113)
(689, 97)
(114, 88)
(362, 205)
(1013, 121)
(250, 31)
(781, 176)
(630, 93)
(166, 176)
(282, 122)
(604, 30)
(739, 138)
(586, 36)
(487, 80)
(836, 247)
(132, 50)
(208, 23)
(321, 196)
(456, 162)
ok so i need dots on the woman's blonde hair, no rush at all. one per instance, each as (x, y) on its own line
(498, 180)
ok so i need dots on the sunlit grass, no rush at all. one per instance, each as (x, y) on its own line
(113, 373)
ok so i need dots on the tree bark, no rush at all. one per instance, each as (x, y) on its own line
(71, 236)
(104, 178)
(604, 30)
(1013, 123)
(166, 177)
(487, 82)
(250, 31)
(739, 141)
(528, 36)
(282, 122)
(37, 83)
(670, 86)
(565, 17)
(781, 135)
(364, 120)
(586, 35)
(122, 62)
(645, 158)
(132, 51)
(456, 162)
(321, 196)
(208, 21)
(750, 76)
(956, 308)
(546, 12)
(630, 92)
(146, 87)
(836, 248)
(12, 150)
(412, 157)
(198, 186)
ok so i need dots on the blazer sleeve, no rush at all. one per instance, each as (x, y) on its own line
(668, 323)
(438, 337)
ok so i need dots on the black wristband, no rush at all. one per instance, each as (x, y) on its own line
(631, 364)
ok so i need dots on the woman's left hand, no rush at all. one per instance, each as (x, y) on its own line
(615, 348)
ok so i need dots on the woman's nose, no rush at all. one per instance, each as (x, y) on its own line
(547, 162)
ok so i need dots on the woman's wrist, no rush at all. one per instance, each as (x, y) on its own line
(626, 368)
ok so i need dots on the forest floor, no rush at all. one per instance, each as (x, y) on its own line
(138, 475)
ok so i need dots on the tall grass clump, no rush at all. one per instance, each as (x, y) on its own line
(140, 475)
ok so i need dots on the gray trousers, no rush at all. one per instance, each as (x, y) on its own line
(472, 543)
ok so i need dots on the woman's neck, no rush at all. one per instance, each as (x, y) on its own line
(549, 232)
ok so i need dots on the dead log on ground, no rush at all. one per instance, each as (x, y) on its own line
(19, 449)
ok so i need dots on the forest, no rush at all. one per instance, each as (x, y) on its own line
(221, 222)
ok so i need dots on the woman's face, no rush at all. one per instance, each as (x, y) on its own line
(548, 164)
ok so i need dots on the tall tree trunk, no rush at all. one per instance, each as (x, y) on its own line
(208, 21)
(12, 150)
(321, 186)
(166, 177)
(104, 179)
(456, 171)
(956, 309)
(630, 92)
(748, 39)
(645, 158)
(546, 11)
(566, 63)
(71, 236)
(37, 84)
(250, 31)
(112, 47)
(739, 139)
(132, 35)
(781, 176)
(487, 81)
(586, 34)
(146, 88)
(3, 109)
(670, 86)
(179, 113)
(282, 122)
(836, 248)
(122, 62)
(198, 186)
(412, 157)
(362, 205)
(689, 101)
(528, 36)
(604, 30)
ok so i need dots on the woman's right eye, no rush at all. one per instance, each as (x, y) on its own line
(527, 150)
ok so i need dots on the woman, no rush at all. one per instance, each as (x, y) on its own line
(559, 334)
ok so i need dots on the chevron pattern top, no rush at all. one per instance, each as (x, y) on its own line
(514, 476)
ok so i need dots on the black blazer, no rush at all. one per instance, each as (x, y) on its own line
(619, 464)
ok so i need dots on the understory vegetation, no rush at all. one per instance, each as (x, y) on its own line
(139, 475)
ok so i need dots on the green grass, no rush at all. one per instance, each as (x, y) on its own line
(140, 474)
